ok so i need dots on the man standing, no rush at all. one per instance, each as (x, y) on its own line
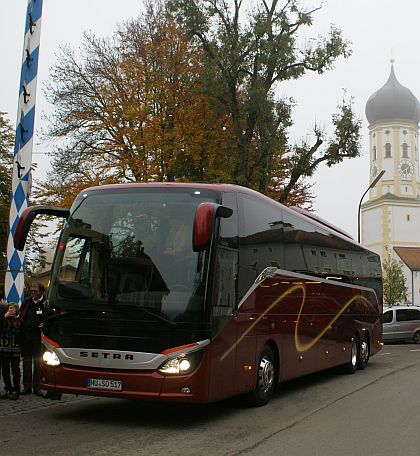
(32, 317)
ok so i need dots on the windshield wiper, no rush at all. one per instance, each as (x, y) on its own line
(148, 312)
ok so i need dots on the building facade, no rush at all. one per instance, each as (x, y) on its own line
(390, 219)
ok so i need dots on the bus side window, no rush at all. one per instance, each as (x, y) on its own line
(260, 239)
(224, 287)
(229, 226)
(226, 272)
(77, 274)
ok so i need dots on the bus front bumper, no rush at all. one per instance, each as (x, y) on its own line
(126, 384)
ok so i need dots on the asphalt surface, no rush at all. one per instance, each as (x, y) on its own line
(30, 403)
(375, 411)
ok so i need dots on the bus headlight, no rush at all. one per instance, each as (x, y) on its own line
(182, 365)
(50, 358)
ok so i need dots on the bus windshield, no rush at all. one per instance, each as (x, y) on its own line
(129, 253)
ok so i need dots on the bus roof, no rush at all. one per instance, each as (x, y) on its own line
(231, 188)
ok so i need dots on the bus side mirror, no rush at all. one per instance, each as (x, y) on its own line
(204, 220)
(28, 216)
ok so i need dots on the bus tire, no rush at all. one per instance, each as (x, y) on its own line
(351, 366)
(266, 379)
(364, 352)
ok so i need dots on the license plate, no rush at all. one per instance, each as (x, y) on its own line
(104, 384)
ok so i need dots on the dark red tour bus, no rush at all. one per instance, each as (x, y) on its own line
(199, 292)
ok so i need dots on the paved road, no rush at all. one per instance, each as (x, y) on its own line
(31, 403)
(374, 412)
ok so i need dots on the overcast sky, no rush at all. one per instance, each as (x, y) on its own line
(378, 29)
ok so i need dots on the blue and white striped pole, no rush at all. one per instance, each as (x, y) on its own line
(22, 159)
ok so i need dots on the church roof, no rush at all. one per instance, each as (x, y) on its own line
(392, 101)
(394, 198)
(410, 256)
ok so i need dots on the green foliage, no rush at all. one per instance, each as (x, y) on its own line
(131, 107)
(249, 55)
(187, 92)
(345, 143)
(394, 282)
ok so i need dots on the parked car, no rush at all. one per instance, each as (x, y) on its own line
(401, 323)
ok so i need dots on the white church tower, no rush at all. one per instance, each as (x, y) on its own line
(391, 216)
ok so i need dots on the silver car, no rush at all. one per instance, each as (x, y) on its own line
(401, 323)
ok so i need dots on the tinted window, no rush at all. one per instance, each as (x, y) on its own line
(387, 317)
(260, 220)
(414, 314)
(305, 247)
(229, 226)
(261, 242)
(408, 315)
(133, 249)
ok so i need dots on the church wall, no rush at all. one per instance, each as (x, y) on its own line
(405, 225)
(372, 229)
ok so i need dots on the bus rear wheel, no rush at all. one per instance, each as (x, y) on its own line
(351, 366)
(266, 379)
(364, 353)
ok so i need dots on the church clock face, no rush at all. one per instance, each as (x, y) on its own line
(406, 169)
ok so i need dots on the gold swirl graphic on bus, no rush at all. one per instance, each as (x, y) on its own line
(300, 347)
(303, 347)
(257, 320)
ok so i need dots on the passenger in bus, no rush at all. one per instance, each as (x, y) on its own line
(178, 237)
(10, 350)
(32, 316)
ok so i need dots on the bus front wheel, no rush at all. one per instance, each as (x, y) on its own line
(266, 379)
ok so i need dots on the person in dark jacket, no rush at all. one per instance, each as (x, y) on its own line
(32, 318)
(10, 350)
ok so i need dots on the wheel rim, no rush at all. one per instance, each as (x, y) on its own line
(364, 351)
(417, 338)
(265, 375)
(354, 353)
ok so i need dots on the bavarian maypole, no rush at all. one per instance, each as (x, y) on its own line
(22, 158)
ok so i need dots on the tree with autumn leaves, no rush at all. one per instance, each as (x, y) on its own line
(133, 109)
(6, 154)
(186, 92)
(35, 250)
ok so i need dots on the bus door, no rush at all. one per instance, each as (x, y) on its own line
(223, 307)
(223, 347)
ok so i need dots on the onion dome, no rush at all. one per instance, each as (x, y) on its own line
(392, 101)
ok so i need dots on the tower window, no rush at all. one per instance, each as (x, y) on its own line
(405, 150)
(404, 132)
(374, 153)
(388, 150)
(387, 132)
(408, 217)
